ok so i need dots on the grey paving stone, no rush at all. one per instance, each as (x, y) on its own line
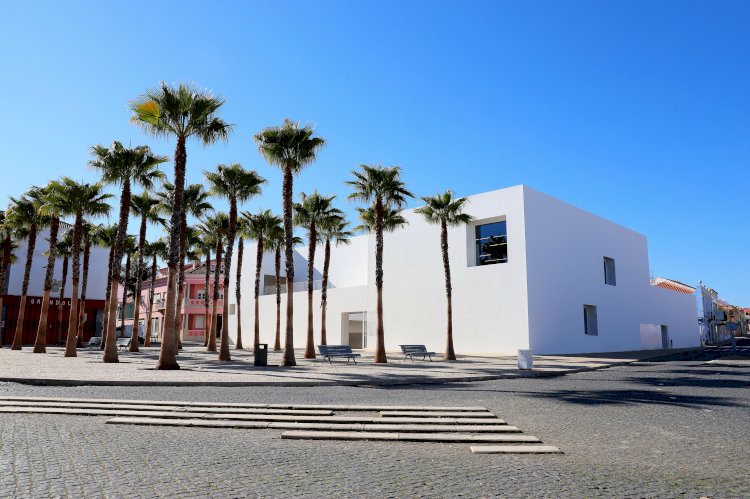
(515, 449)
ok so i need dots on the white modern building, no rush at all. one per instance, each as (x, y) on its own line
(531, 271)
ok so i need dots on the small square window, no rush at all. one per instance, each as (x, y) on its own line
(590, 326)
(609, 271)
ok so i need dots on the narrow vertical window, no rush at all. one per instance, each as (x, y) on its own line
(590, 326)
(491, 243)
(609, 271)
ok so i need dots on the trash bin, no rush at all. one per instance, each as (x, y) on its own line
(525, 359)
(261, 354)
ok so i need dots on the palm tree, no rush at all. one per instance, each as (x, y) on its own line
(237, 185)
(205, 243)
(243, 231)
(50, 209)
(63, 249)
(127, 284)
(334, 229)
(291, 147)
(78, 200)
(182, 112)
(87, 233)
(145, 206)
(6, 228)
(124, 167)
(446, 211)
(314, 210)
(107, 236)
(277, 242)
(27, 219)
(383, 188)
(155, 250)
(218, 226)
(260, 227)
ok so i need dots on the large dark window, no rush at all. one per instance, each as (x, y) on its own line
(491, 243)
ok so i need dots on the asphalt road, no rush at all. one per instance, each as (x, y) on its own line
(674, 428)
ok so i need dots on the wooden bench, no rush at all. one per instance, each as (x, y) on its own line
(410, 351)
(330, 351)
(122, 343)
(95, 342)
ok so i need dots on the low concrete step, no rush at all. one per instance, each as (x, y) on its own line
(406, 437)
(426, 420)
(139, 407)
(515, 449)
(436, 414)
(203, 423)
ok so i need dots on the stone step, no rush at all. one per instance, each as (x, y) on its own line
(138, 407)
(436, 414)
(188, 422)
(407, 437)
(327, 407)
(515, 449)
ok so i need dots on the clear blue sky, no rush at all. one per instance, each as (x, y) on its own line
(638, 111)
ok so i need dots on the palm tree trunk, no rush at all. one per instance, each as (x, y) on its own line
(138, 284)
(224, 354)
(310, 344)
(84, 286)
(287, 193)
(70, 341)
(380, 357)
(178, 318)
(258, 264)
(207, 300)
(449, 353)
(150, 316)
(40, 345)
(168, 353)
(214, 309)
(110, 349)
(7, 248)
(324, 292)
(105, 324)
(125, 296)
(238, 291)
(18, 338)
(62, 298)
(277, 262)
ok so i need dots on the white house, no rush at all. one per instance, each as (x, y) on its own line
(531, 271)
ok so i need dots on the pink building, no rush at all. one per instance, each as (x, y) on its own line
(193, 304)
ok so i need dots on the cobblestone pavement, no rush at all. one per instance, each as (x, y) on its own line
(674, 428)
(199, 366)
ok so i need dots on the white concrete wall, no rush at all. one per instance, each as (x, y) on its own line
(566, 247)
(97, 283)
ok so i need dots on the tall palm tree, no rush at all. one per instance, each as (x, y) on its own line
(6, 228)
(314, 210)
(277, 242)
(107, 236)
(63, 249)
(237, 185)
(291, 147)
(145, 206)
(243, 231)
(334, 229)
(123, 167)
(27, 219)
(51, 209)
(182, 112)
(446, 210)
(78, 200)
(87, 233)
(155, 250)
(383, 189)
(205, 244)
(127, 285)
(260, 226)
(218, 226)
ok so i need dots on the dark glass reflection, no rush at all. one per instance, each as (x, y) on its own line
(491, 243)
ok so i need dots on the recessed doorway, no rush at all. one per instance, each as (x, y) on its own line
(354, 329)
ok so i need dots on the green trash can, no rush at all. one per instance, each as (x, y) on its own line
(261, 354)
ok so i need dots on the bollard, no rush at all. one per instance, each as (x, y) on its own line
(261, 354)
(525, 359)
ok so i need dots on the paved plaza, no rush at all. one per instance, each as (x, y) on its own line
(199, 367)
(663, 428)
